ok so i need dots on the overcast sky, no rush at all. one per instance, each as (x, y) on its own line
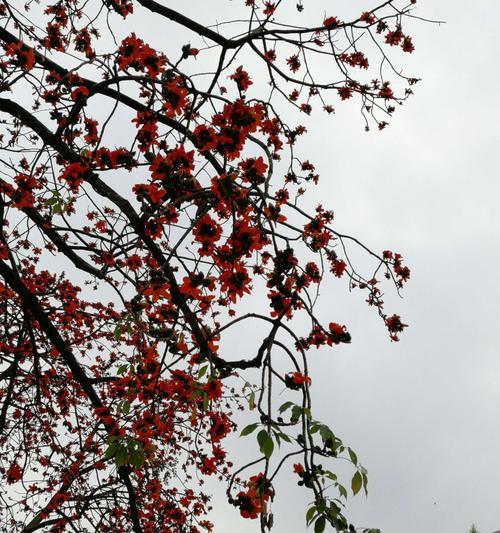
(423, 414)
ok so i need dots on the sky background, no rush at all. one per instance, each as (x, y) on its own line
(422, 414)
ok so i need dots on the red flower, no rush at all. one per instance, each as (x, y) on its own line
(13, 473)
(356, 59)
(296, 380)
(82, 43)
(191, 287)
(395, 326)
(157, 290)
(204, 138)
(54, 39)
(187, 51)
(177, 160)
(133, 262)
(367, 17)
(254, 170)
(294, 63)
(270, 56)
(23, 56)
(246, 239)
(241, 78)
(219, 426)
(213, 389)
(338, 334)
(208, 466)
(386, 92)
(407, 45)
(249, 504)
(74, 174)
(91, 136)
(174, 95)
(251, 501)
(331, 22)
(235, 282)
(133, 52)
(155, 193)
(148, 130)
(207, 232)
(338, 267)
(269, 8)
(345, 93)
(298, 468)
(394, 37)
(80, 93)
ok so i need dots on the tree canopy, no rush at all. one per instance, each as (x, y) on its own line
(147, 195)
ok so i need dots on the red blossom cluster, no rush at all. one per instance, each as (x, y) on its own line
(251, 502)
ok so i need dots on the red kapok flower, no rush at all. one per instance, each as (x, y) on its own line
(80, 93)
(13, 473)
(298, 468)
(241, 78)
(331, 22)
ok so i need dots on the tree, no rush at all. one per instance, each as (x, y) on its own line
(146, 195)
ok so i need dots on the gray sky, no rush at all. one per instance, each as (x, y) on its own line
(422, 413)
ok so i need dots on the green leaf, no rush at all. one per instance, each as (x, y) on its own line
(196, 394)
(310, 514)
(296, 414)
(353, 456)
(126, 407)
(326, 433)
(122, 369)
(365, 481)
(111, 450)
(121, 456)
(202, 371)
(334, 510)
(266, 443)
(249, 429)
(251, 401)
(342, 491)
(356, 483)
(314, 428)
(330, 475)
(137, 458)
(118, 332)
(285, 406)
(268, 448)
(319, 525)
(50, 201)
(285, 437)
